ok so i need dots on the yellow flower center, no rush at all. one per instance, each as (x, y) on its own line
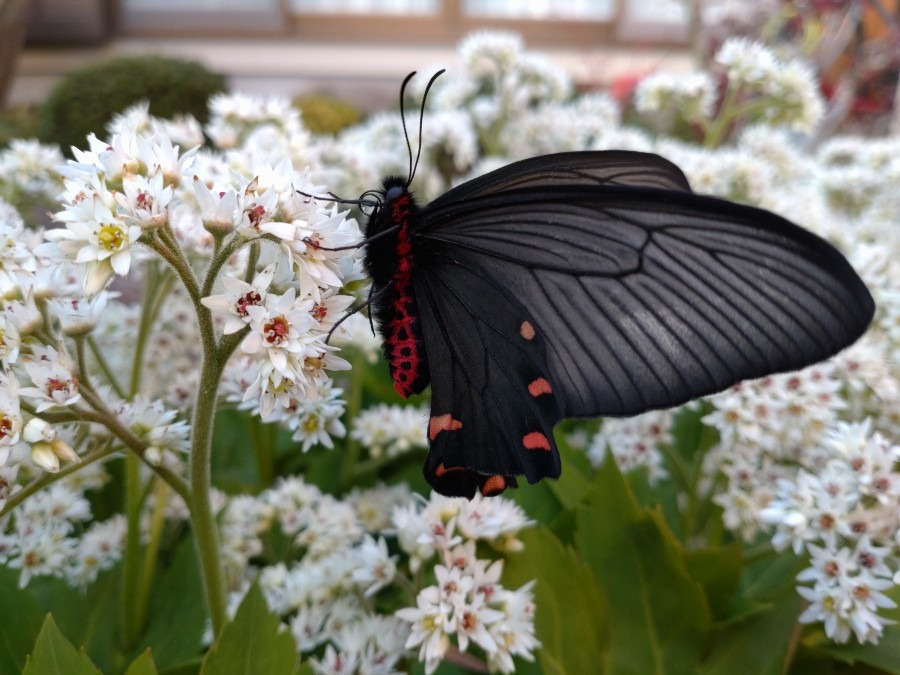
(111, 237)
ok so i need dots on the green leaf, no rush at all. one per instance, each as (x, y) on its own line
(53, 653)
(758, 643)
(253, 643)
(571, 617)
(142, 665)
(90, 619)
(659, 619)
(574, 481)
(718, 570)
(177, 614)
(16, 636)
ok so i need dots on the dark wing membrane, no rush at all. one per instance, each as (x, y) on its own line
(492, 408)
(589, 168)
(649, 298)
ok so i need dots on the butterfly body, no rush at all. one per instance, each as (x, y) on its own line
(584, 284)
(395, 306)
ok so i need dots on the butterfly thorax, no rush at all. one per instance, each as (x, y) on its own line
(390, 263)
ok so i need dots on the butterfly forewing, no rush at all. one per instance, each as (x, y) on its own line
(649, 298)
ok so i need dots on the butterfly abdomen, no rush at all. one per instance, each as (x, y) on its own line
(390, 264)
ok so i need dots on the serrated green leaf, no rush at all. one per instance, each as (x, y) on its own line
(756, 644)
(90, 619)
(143, 665)
(253, 643)
(659, 619)
(571, 619)
(718, 570)
(18, 636)
(53, 653)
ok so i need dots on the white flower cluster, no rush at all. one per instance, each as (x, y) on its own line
(790, 87)
(391, 430)
(758, 88)
(50, 533)
(341, 564)
(28, 172)
(468, 600)
(634, 442)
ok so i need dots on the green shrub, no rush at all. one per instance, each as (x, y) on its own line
(324, 114)
(86, 100)
(18, 122)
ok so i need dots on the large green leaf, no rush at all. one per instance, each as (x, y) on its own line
(571, 618)
(142, 665)
(90, 619)
(718, 570)
(16, 636)
(177, 612)
(759, 643)
(53, 653)
(253, 643)
(659, 618)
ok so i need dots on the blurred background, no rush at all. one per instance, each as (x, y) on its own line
(358, 50)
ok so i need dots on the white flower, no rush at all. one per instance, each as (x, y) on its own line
(53, 376)
(391, 430)
(376, 568)
(238, 296)
(431, 626)
(747, 62)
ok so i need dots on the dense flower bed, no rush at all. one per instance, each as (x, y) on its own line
(186, 273)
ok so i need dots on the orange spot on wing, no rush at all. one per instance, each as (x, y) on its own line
(535, 441)
(539, 386)
(493, 486)
(526, 330)
(441, 470)
(440, 423)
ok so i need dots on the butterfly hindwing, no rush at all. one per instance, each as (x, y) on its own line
(492, 406)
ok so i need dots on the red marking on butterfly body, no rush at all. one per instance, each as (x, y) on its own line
(403, 335)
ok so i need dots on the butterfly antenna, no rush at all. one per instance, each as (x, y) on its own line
(403, 120)
(353, 310)
(415, 165)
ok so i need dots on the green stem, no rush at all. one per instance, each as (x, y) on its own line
(133, 618)
(206, 535)
(103, 415)
(104, 366)
(350, 459)
(759, 552)
(157, 524)
(159, 284)
(719, 126)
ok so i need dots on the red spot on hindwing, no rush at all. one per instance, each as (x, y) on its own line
(535, 441)
(440, 423)
(442, 470)
(538, 387)
(494, 485)
(526, 330)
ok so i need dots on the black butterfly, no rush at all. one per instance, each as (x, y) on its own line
(583, 284)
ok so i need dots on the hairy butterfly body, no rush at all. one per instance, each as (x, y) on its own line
(583, 284)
